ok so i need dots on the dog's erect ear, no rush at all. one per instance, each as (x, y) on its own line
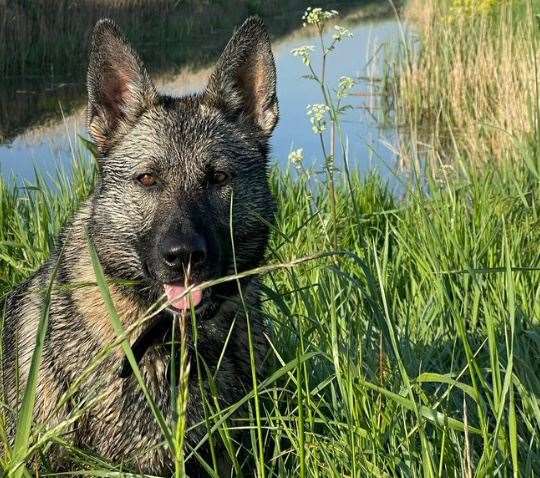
(119, 88)
(244, 80)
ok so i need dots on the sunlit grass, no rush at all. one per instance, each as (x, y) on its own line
(415, 346)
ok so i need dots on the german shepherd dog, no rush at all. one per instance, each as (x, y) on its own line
(182, 197)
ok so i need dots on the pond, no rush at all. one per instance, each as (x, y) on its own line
(43, 133)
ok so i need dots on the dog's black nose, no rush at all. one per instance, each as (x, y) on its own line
(186, 251)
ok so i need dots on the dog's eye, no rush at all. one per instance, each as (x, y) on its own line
(146, 179)
(220, 178)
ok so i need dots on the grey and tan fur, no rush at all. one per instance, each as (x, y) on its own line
(201, 153)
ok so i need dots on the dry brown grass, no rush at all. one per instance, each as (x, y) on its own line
(471, 90)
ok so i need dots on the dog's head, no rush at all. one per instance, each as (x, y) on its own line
(183, 193)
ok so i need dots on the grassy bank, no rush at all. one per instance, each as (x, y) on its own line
(418, 344)
(412, 350)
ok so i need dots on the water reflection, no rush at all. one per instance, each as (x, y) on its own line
(45, 147)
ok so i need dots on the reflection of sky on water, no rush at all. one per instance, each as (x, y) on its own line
(48, 147)
(350, 58)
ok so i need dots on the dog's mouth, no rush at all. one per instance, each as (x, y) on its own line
(183, 297)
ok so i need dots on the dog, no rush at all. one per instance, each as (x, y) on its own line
(182, 197)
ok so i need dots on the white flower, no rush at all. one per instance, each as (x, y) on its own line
(345, 84)
(317, 16)
(296, 157)
(317, 116)
(341, 33)
(303, 52)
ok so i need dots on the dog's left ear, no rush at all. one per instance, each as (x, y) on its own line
(119, 88)
(243, 83)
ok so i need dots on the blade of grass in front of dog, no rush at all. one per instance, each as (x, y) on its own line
(5, 449)
(24, 423)
(253, 365)
(119, 330)
(98, 473)
(181, 398)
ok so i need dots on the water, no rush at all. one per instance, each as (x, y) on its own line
(51, 144)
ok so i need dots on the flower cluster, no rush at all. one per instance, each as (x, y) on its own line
(303, 52)
(341, 33)
(471, 7)
(345, 84)
(317, 116)
(317, 16)
(296, 157)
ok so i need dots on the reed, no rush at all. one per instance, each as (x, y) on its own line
(470, 87)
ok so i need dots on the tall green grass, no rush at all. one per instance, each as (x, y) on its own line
(406, 332)
(415, 350)
(31, 215)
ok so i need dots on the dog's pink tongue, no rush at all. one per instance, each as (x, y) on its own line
(175, 292)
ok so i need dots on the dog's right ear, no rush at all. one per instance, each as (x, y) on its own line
(243, 83)
(119, 88)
